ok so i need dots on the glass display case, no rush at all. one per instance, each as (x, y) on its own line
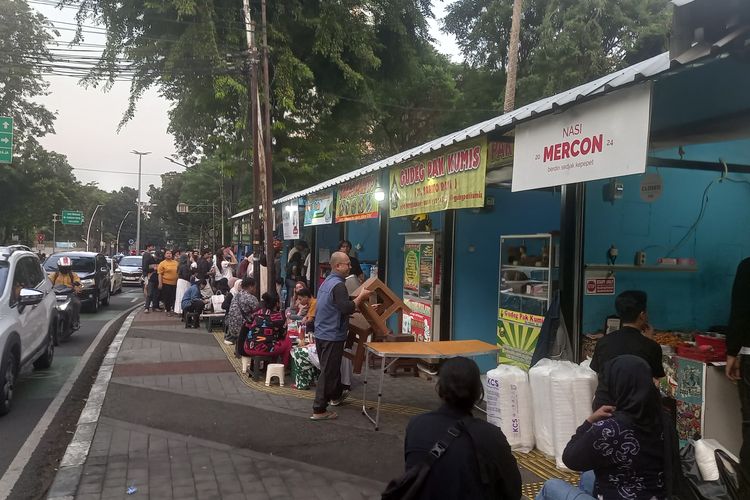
(527, 281)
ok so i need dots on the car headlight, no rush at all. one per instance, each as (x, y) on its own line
(87, 282)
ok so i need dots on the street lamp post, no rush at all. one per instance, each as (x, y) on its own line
(55, 220)
(117, 241)
(88, 231)
(138, 216)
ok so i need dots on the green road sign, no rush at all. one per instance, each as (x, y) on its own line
(72, 217)
(6, 139)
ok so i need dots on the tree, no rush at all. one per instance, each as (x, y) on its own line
(23, 56)
(564, 43)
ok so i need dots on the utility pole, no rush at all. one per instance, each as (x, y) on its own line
(55, 220)
(266, 172)
(510, 82)
(138, 211)
(255, 130)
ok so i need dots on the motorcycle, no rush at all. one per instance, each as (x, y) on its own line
(65, 326)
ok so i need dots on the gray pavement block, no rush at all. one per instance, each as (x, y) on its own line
(66, 482)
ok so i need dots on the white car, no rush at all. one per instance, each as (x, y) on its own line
(131, 270)
(28, 318)
(115, 276)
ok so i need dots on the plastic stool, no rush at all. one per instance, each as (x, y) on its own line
(275, 370)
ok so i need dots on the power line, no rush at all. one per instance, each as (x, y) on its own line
(119, 171)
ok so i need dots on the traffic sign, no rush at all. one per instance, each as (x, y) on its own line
(131, 241)
(6, 139)
(40, 237)
(72, 217)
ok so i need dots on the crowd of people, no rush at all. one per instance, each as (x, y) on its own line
(191, 283)
(626, 449)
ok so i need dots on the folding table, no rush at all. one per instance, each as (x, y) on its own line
(416, 350)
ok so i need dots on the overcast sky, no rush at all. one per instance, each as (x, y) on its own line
(87, 119)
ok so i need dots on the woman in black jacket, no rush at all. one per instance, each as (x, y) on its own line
(478, 464)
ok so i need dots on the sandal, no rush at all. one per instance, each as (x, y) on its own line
(329, 415)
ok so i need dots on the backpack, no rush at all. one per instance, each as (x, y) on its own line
(264, 331)
(408, 486)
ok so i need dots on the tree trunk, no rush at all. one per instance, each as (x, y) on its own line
(510, 83)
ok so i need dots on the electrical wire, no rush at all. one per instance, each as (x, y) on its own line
(704, 206)
(119, 171)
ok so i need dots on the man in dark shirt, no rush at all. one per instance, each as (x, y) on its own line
(629, 339)
(331, 329)
(738, 355)
(204, 264)
(345, 246)
(148, 265)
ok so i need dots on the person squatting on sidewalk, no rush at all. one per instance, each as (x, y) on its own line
(331, 328)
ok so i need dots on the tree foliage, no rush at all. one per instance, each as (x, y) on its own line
(564, 43)
(349, 81)
(23, 55)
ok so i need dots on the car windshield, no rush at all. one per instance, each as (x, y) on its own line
(81, 264)
(132, 261)
(4, 267)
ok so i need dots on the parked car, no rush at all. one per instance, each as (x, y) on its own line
(131, 270)
(115, 276)
(92, 269)
(28, 318)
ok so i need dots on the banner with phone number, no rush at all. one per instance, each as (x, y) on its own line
(452, 178)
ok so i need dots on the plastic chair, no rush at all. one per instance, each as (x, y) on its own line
(275, 370)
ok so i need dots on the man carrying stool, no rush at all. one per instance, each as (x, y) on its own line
(331, 330)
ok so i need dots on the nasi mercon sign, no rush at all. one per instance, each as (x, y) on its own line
(355, 200)
(452, 178)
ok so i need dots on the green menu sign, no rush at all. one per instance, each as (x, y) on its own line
(6, 139)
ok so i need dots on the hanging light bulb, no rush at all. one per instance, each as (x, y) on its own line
(379, 194)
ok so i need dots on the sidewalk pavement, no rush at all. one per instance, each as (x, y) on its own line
(180, 422)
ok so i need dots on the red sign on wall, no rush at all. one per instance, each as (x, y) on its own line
(600, 286)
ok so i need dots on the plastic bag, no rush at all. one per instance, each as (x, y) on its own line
(508, 397)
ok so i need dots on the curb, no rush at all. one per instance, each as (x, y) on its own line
(68, 475)
(15, 469)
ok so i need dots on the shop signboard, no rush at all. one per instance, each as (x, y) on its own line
(319, 209)
(355, 200)
(517, 335)
(603, 138)
(452, 178)
(290, 222)
(500, 153)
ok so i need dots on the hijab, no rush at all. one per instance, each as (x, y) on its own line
(636, 398)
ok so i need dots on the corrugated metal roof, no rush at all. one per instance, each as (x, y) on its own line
(641, 71)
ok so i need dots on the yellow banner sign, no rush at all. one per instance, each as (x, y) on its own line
(451, 179)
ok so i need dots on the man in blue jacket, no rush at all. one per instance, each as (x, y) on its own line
(331, 330)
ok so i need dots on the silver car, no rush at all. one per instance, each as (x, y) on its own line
(132, 275)
(28, 318)
(115, 277)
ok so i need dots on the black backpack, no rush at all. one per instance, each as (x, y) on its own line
(408, 486)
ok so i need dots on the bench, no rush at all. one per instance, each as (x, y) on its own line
(213, 318)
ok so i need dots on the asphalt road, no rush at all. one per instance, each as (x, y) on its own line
(37, 389)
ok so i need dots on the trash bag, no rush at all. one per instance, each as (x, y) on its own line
(721, 489)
